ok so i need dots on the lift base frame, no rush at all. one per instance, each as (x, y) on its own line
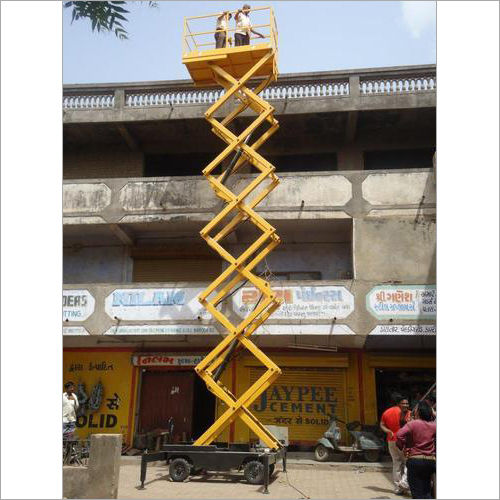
(213, 458)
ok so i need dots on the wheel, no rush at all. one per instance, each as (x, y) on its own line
(321, 453)
(372, 455)
(179, 469)
(254, 472)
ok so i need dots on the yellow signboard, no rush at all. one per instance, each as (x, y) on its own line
(105, 387)
(301, 400)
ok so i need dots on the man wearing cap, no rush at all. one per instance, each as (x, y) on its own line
(244, 27)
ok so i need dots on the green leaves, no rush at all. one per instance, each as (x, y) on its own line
(103, 16)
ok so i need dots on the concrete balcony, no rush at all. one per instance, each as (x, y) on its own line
(345, 313)
(302, 195)
(368, 89)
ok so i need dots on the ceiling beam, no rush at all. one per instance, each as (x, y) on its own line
(127, 136)
(351, 126)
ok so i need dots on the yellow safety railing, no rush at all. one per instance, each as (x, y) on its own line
(233, 69)
(199, 31)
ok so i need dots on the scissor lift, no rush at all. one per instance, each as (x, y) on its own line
(244, 72)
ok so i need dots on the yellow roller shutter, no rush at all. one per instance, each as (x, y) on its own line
(301, 400)
(151, 270)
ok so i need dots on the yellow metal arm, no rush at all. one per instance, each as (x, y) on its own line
(239, 207)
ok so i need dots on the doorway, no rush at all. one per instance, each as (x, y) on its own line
(179, 395)
(411, 383)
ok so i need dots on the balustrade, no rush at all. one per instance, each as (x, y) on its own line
(89, 101)
(369, 86)
(384, 83)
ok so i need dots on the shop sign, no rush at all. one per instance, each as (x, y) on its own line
(161, 330)
(75, 330)
(155, 304)
(301, 302)
(165, 360)
(78, 305)
(404, 330)
(301, 399)
(402, 301)
(304, 330)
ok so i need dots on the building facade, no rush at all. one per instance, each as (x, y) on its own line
(356, 212)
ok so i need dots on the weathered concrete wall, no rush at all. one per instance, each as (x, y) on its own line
(283, 107)
(104, 465)
(102, 164)
(305, 195)
(100, 478)
(332, 260)
(96, 265)
(399, 188)
(75, 481)
(395, 249)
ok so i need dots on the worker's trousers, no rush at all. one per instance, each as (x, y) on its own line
(398, 467)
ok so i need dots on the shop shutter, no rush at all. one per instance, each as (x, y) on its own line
(166, 394)
(301, 399)
(153, 270)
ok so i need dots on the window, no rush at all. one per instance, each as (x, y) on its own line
(399, 159)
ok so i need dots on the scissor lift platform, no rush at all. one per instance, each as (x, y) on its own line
(235, 60)
(199, 48)
(233, 67)
(186, 459)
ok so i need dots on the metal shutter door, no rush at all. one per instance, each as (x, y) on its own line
(301, 399)
(166, 270)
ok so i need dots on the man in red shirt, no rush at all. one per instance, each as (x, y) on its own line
(392, 420)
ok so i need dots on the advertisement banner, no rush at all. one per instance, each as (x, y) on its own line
(155, 304)
(300, 302)
(402, 301)
(404, 330)
(78, 305)
(104, 387)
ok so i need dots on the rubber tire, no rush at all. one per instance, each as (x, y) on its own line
(179, 470)
(254, 472)
(321, 453)
(371, 455)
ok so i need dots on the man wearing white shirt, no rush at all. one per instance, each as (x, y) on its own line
(70, 405)
(244, 27)
(221, 29)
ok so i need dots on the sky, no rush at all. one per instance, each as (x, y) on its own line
(313, 36)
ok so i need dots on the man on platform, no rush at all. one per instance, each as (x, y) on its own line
(244, 27)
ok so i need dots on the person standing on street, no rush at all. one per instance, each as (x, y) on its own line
(70, 405)
(392, 420)
(244, 27)
(418, 439)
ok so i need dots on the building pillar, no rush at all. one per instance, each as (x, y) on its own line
(350, 158)
(104, 465)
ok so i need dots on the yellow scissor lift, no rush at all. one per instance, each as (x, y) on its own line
(244, 72)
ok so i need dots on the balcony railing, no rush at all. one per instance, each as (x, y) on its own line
(334, 84)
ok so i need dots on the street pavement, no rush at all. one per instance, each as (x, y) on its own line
(302, 481)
